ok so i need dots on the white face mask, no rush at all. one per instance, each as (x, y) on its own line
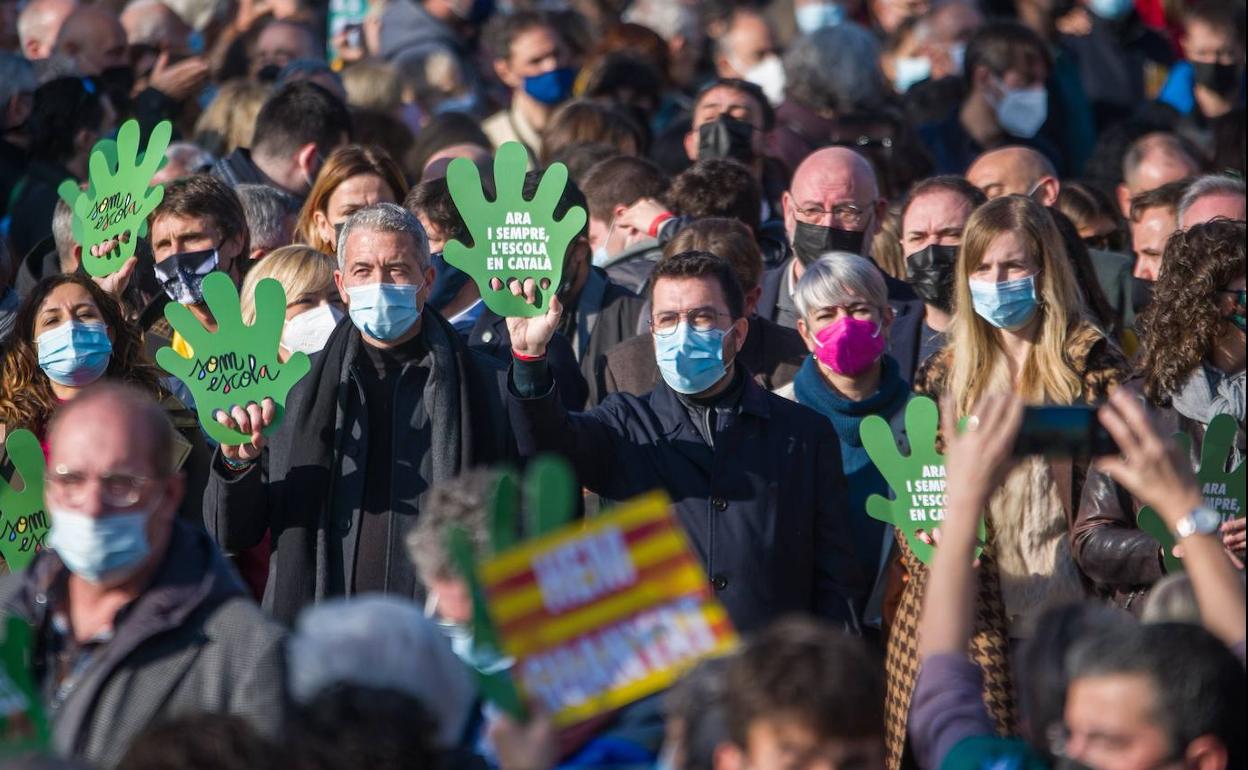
(1022, 111)
(309, 331)
(768, 75)
(909, 70)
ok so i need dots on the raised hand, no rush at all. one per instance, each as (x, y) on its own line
(113, 210)
(518, 246)
(918, 479)
(238, 381)
(23, 519)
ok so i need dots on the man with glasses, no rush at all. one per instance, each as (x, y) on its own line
(394, 403)
(136, 616)
(833, 204)
(755, 480)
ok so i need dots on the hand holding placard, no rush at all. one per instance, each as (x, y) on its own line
(237, 364)
(23, 519)
(917, 480)
(514, 239)
(113, 210)
(1222, 489)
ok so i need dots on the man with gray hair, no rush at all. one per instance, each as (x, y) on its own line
(1212, 197)
(270, 217)
(39, 24)
(394, 403)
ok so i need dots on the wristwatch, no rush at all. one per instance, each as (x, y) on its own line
(1201, 521)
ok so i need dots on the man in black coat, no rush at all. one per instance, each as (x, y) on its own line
(394, 403)
(755, 480)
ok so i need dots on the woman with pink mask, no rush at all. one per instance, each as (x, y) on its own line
(845, 320)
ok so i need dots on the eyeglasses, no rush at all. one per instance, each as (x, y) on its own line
(846, 214)
(117, 490)
(700, 319)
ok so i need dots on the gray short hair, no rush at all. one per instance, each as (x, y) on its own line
(385, 218)
(17, 76)
(836, 68)
(268, 211)
(381, 642)
(1210, 184)
(668, 18)
(840, 278)
(195, 158)
(63, 231)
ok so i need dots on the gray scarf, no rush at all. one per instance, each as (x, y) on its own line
(1209, 393)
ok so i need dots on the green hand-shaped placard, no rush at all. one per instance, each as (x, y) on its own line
(23, 519)
(549, 504)
(237, 363)
(512, 237)
(23, 726)
(118, 198)
(1223, 490)
(917, 480)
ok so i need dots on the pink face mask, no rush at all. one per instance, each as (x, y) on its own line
(849, 346)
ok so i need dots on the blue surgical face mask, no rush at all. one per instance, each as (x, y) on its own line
(816, 16)
(552, 87)
(1111, 9)
(689, 360)
(384, 311)
(74, 353)
(1007, 305)
(100, 549)
(447, 281)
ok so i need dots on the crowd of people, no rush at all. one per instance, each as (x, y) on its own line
(802, 215)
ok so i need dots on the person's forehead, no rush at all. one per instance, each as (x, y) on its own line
(1201, 32)
(686, 293)
(534, 40)
(170, 225)
(1123, 699)
(376, 246)
(723, 98)
(834, 180)
(1212, 205)
(67, 295)
(936, 208)
(100, 437)
(1006, 247)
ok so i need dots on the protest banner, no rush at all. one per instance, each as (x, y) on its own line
(601, 613)
(917, 479)
(1223, 488)
(512, 237)
(24, 521)
(238, 363)
(119, 196)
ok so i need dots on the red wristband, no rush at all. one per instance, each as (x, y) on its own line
(526, 359)
(659, 220)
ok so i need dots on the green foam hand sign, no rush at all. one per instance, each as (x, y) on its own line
(23, 726)
(1222, 489)
(237, 363)
(118, 198)
(917, 479)
(512, 237)
(549, 503)
(23, 519)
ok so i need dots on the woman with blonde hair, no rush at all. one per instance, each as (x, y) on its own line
(351, 178)
(313, 306)
(230, 118)
(1020, 324)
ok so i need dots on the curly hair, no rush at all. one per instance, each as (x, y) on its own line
(1181, 324)
(26, 397)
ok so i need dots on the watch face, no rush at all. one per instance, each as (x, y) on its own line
(1207, 521)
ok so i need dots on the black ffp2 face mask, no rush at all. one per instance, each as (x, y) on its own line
(930, 273)
(1217, 77)
(813, 241)
(1141, 293)
(726, 137)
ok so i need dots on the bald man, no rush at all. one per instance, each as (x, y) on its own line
(1015, 170)
(1151, 161)
(94, 39)
(832, 204)
(152, 23)
(39, 24)
(280, 43)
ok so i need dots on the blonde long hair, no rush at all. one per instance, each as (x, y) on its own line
(299, 269)
(978, 361)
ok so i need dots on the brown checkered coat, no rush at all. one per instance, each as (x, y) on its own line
(1102, 366)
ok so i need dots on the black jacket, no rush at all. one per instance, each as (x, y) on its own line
(308, 488)
(763, 507)
(489, 335)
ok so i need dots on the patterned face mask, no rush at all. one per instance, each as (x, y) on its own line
(182, 275)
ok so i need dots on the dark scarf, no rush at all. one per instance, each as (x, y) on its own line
(846, 415)
(321, 418)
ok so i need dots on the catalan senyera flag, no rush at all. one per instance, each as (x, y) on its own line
(605, 611)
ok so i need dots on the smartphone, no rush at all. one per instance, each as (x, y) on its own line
(1063, 431)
